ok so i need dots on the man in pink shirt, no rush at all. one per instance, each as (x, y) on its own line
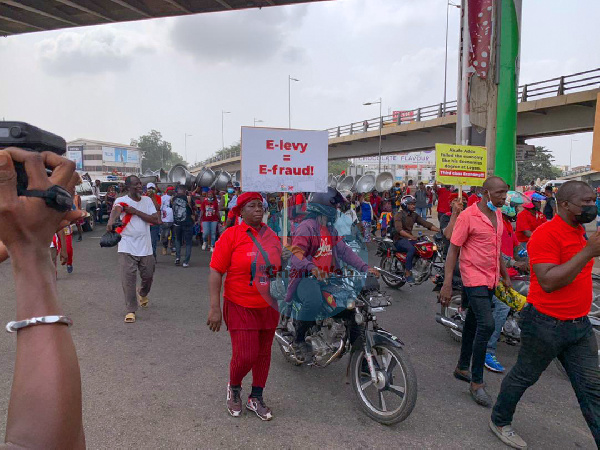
(478, 236)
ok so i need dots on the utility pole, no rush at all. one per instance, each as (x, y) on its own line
(290, 79)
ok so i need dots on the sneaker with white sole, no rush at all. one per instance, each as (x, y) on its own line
(508, 435)
(186, 265)
(257, 405)
(234, 401)
(492, 364)
(212, 249)
(204, 246)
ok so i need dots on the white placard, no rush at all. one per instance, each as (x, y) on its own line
(281, 160)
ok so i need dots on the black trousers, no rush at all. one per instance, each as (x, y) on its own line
(479, 327)
(544, 338)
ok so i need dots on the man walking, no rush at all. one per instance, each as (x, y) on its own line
(421, 198)
(167, 233)
(137, 213)
(183, 216)
(477, 234)
(555, 323)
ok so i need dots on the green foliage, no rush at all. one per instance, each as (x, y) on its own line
(338, 166)
(538, 167)
(156, 152)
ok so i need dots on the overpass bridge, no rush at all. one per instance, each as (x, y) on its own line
(561, 105)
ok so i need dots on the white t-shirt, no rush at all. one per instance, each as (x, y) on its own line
(135, 238)
(165, 208)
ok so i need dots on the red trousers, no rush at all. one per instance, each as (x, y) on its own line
(251, 350)
(69, 244)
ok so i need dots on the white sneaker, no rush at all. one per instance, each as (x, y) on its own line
(204, 246)
(186, 265)
(212, 249)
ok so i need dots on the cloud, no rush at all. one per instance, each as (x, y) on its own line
(95, 51)
(246, 37)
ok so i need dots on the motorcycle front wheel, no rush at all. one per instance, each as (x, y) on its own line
(392, 265)
(392, 398)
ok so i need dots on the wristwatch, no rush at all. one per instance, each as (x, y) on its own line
(14, 326)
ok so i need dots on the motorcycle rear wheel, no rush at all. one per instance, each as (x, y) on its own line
(449, 312)
(397, 379)
(391, 264)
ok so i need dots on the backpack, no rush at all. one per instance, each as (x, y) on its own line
(179, 209)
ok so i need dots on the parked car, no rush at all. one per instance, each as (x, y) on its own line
(89, 203)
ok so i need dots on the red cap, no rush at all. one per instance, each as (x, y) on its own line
(243, 199)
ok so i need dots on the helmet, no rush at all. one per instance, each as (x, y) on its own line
(325, 203)
(509, 211)
(407, 200)
(532, 196)
(514, 198)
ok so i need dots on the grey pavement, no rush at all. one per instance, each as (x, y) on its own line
(160, 383)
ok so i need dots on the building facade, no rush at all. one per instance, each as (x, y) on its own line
(99, 158)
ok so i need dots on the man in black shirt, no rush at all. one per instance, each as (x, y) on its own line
(550, 208)
(183, 216)
(404, 221)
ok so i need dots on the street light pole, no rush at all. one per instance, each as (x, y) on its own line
(380, 127)
(571, 155)
(223, 128)
(290, 79)
(257, 121)
(448, 4)
(185, 145)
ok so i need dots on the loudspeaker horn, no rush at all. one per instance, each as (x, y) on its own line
(384, 181)
(365, 184)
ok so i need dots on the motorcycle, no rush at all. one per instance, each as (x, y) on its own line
(428, 258)
(381, 374)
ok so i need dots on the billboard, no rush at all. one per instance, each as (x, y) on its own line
(75, 154)
(425, 158)
(405, 116)
(282, 160)
(120, 155)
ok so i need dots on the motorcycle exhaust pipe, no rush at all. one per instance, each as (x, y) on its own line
(448, 323)
(389, 274)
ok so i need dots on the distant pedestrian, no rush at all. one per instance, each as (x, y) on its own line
(430, 195)
(366, 216)
(555, 322)
(154, 229)
(183, 216)
(137, 213)
(421, 201)
(550, 206)
(210, 220)
(167, 232)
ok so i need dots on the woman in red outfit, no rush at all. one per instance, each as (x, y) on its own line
(247, 310)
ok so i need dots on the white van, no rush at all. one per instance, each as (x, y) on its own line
(554, 183)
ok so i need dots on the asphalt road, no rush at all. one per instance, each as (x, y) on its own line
(160, 383)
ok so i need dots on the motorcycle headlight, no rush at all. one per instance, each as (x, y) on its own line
(351, 304)
(434, 248)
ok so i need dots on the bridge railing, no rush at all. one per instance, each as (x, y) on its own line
(527, 92)
(220, 157)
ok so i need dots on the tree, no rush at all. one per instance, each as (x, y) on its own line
(156, 153)
(337, 167)
(539, 166)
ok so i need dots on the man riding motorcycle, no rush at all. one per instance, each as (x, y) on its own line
(404, 240)
(317, 250)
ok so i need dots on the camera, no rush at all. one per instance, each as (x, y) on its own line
(30, 138)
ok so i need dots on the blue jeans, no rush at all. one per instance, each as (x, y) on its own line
(209, 229)
(477, 330)
(154, 236)
(544, 338)
(500, 314)
(406, 246)
(184, 232)
(422, 212)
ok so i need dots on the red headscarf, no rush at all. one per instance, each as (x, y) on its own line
(243, 199)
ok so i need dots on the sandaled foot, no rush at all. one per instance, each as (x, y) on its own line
(143, 301)
(462, 375)
(130, 318)
(508, 435)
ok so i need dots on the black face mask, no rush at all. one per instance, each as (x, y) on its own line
(588, 214)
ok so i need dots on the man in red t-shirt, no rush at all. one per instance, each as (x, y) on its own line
(555, 323)
(530, 218)
(210, 219)
(443, 206)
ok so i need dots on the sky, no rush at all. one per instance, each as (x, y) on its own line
(176, 75)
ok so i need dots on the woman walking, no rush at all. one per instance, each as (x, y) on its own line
(245, 253)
